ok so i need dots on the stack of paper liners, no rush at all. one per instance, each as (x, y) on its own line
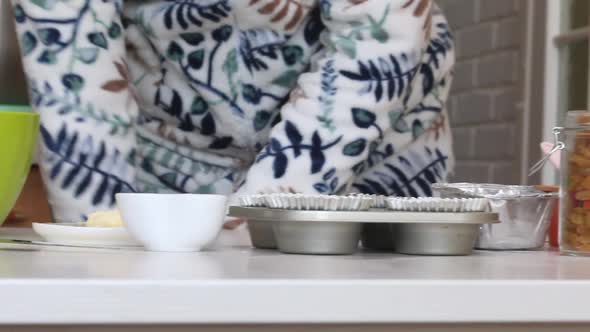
(431, 204)
(379, 201)
(253, 201)
(318, 202)
(353, 202)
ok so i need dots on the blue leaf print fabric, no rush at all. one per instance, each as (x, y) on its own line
(237, 97)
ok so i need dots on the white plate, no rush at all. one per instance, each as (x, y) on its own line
(79, 234)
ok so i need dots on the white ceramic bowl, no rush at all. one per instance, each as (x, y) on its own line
(173, 222)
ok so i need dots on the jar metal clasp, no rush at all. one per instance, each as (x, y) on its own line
(558, 145)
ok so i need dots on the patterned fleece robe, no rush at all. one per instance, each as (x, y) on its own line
(246, 96)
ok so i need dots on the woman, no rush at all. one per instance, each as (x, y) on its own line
(246, 96)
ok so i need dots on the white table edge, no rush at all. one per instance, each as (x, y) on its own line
(237, 301)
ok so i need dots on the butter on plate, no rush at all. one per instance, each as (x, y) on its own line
(110, 218)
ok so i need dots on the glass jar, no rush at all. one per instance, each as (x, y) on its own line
(574, 211)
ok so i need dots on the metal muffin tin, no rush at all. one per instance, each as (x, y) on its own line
(261, 234)
(317, 238)
(338, 232)
(435, 239)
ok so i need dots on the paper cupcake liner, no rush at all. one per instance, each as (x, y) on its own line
(431, 204)
(379, 201)
(318, 202)
(253, 201)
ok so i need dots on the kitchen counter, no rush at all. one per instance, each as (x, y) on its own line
(234, 284)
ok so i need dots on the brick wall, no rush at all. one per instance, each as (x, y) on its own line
(485, 102)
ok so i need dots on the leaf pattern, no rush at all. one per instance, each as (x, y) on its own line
(313, 28)
(45, 4)
(286, 79)
(329, 91)
(28, 42)
(45, 96)
(259, 47)
(98, 39)
(329, 184)
(78, 164)
(292, 12)
(409, 175)
(87, 55)
(183, 13)
(316, 150)
(120, 84)
(347, 43)
(420, 7)
(385, 77)
(355, 148)
(363, 118)
(72, 82)
(49, 36)
(261, 120)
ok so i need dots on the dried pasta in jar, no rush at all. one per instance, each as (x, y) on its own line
(575, 197)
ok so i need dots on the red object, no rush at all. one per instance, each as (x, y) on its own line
(553, 232)
(554, 227)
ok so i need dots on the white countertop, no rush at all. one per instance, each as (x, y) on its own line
(235, 284)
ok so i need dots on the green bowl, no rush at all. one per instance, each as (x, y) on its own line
(18, 136)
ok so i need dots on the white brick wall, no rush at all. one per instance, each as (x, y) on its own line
(490, 36)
